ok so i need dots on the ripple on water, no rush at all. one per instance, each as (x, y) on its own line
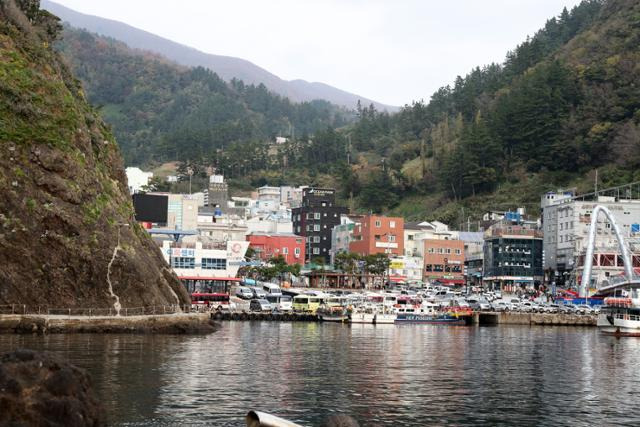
(382, 375)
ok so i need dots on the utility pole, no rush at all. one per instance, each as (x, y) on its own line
(596, 189)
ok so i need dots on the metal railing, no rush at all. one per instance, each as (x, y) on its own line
(92, 312)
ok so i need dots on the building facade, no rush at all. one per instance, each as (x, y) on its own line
(205, 267)
(315, 220)
(266, 246)
(444, 261)
(512, 257)
(405, 269)
(376, 234)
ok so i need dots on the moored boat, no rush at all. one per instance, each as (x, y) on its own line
(419, 314)
(620, 315)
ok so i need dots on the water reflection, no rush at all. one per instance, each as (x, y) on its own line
(384, 375)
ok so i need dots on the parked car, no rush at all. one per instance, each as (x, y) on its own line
(285, 303)
(501, 305)
(552, 308)
(244, 293)
(258, 293)
(528, 307)
(568, 309)
(585, 309)
(260, 305)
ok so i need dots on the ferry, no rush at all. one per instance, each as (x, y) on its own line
(433, 315)
(620, 313)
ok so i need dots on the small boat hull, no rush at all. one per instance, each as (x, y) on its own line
(436, 319)
(619, 324)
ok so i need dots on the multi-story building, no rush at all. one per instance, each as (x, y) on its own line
(566, 220)
(416, 232)
(405, 269)
(341, 235)
(513, 256)
(290, 246)
(315, 219)
(205, 267)
(221, 228)
(218, 191)
(444, 261)
(376, 234)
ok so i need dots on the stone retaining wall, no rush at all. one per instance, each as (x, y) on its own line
(191, 323)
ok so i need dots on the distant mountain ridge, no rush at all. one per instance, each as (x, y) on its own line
(226, 67)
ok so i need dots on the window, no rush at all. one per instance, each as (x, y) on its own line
(183, 262)
(316, 251)
(214, 264)
(458, 252)
(392, 224)
(316, 215)
(285, 250)
(410, 237)
(378, 224)
(316, 227)
(438, 267)
(316, 239)
(377, 237)
(296, 251)
(309, 216)
(387, 251)
(392, 238)
(429, 267)
(448, 251)
(440, 250)
(431, 250)
(308, 228)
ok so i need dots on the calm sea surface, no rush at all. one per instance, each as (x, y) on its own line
(381, 375)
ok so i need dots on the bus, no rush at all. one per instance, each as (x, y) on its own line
(306, 303)
(210, 301)
(209, 293)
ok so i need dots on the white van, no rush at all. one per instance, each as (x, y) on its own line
(272, 289)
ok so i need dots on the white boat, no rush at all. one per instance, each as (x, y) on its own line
(620, 312)
(372, 315)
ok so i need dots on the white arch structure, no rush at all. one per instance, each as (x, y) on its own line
(588, 261)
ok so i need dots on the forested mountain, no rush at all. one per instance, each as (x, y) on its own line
(564, 102)
(162, 111)
(226, 67)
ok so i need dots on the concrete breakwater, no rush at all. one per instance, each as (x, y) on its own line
(478, 318)
(555, 319)
(179, 323)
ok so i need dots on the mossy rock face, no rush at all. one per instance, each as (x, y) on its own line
(64, 193)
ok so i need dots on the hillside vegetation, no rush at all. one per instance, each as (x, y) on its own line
(564, 102)
(161, 111)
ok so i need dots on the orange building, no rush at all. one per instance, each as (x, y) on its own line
(444, 261)
(378, 235)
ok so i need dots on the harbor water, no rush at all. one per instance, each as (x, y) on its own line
(381, 375)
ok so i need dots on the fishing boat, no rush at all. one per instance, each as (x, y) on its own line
(333, 310)
(371, 314)
(419, 314)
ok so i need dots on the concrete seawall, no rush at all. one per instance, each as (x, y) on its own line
(188, 323)
(534, 319)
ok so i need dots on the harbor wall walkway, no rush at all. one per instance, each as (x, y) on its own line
(510, 318)
(178, 323)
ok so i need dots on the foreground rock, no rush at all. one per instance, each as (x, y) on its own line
(38, 389)
(199, 323)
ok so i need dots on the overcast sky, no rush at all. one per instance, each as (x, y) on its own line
(392, 51)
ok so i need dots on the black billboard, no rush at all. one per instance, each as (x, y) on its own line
(151, 207)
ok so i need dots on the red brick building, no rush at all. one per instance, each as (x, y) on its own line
(378, 235)
(290, 246)
(444, 261)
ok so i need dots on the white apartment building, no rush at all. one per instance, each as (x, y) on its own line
(566, 223)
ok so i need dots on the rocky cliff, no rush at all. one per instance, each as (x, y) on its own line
(67, 234)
